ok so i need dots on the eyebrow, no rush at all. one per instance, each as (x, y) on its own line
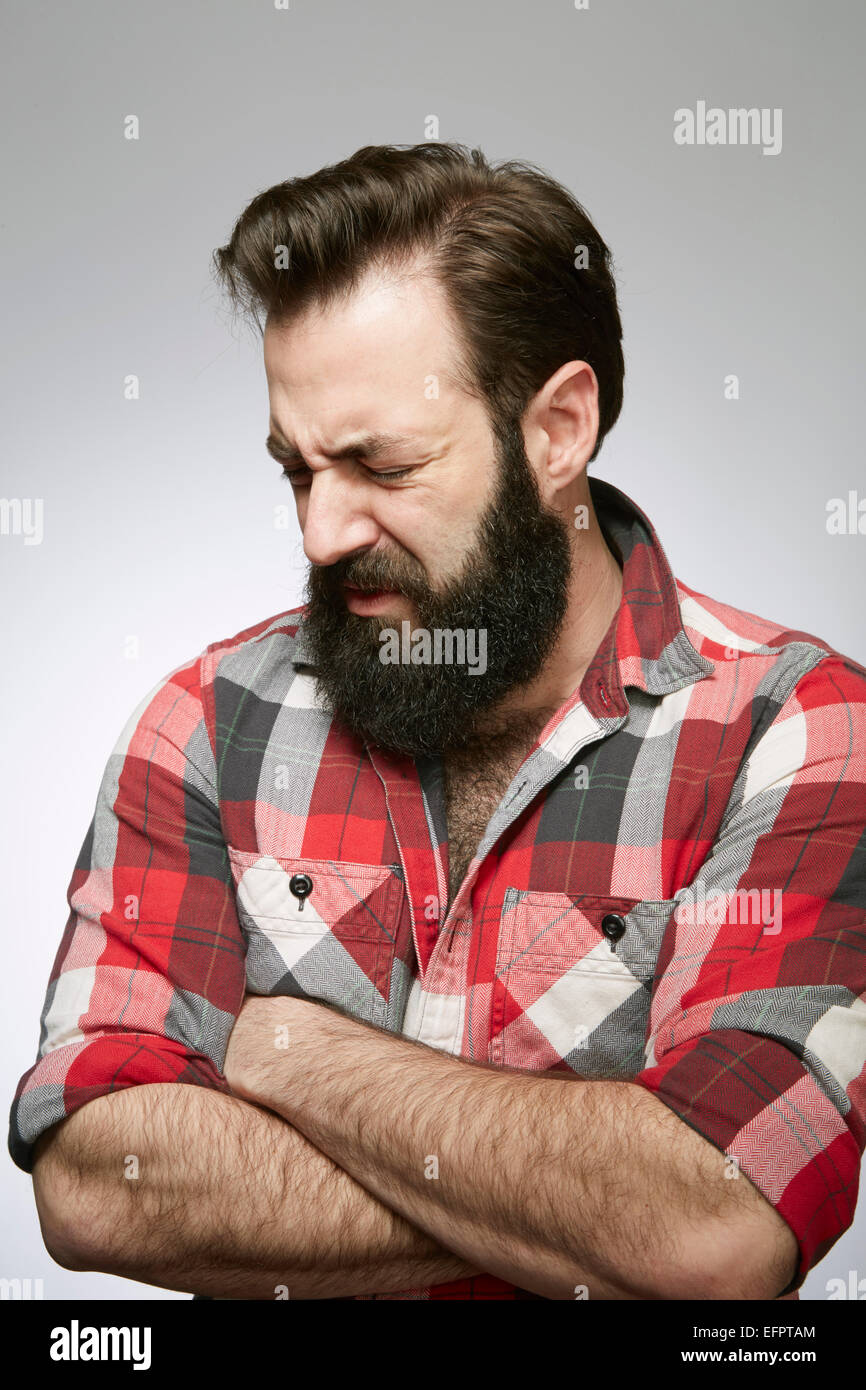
(370, 445)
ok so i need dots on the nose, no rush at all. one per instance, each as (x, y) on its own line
(333, 521)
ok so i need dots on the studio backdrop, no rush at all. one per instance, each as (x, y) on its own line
(142, 518)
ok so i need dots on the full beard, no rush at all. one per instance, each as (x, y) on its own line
(513, 586)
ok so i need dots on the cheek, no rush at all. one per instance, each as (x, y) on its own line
(436, 536)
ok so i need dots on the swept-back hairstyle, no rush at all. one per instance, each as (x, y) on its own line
(526, 275)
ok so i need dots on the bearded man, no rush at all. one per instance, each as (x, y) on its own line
(410, 935)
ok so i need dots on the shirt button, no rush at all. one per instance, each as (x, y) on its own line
(301, 885)
(613, 927)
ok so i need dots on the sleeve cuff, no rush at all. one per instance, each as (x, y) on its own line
(68, 1077)
(757, 1102)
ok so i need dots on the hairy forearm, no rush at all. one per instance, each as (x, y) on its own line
(563, 1188)
(229, 1200)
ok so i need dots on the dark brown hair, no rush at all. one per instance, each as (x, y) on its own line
(501, 240)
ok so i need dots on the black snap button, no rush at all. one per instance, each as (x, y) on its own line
(613, 927)
(301, 885)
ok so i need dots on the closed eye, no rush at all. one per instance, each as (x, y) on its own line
(299, 477)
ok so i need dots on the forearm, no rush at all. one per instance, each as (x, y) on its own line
(229, 1200)
(550, 1185)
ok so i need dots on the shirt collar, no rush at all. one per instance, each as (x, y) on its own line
(646, 645)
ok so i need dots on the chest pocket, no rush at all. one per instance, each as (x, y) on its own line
(319, 929)
(562, 999)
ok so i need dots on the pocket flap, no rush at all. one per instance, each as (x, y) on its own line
(354, 901)
(559, 931)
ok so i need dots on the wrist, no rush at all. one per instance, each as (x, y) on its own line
(296, 1038)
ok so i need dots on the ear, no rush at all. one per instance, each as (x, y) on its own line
(561, 425)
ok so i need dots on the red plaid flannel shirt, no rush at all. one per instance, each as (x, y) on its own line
(671, 891)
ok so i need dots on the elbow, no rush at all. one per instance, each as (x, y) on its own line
(752, 1260)
(60, 1223)
(65, 1253)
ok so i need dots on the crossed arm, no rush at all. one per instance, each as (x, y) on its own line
(226, 1200)
(356, 1161)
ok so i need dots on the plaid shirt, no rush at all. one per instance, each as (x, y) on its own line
(671, 891)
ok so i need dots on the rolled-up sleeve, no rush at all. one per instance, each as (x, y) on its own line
(149, 975)
(757, 1033)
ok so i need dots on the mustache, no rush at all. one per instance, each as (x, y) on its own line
(367, 573)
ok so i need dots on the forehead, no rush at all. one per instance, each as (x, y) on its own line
(394, 319)
(375, 359)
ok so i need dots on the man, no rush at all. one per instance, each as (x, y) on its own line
(533, 972)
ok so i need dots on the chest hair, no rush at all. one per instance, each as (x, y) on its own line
(474, 784)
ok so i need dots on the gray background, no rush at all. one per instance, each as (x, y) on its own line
(158, 513)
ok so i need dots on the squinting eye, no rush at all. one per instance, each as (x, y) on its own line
(292, 474)
(289, 474)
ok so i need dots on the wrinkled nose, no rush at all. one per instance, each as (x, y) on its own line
(333, 522)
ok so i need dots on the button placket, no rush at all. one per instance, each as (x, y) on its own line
(404, 801)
